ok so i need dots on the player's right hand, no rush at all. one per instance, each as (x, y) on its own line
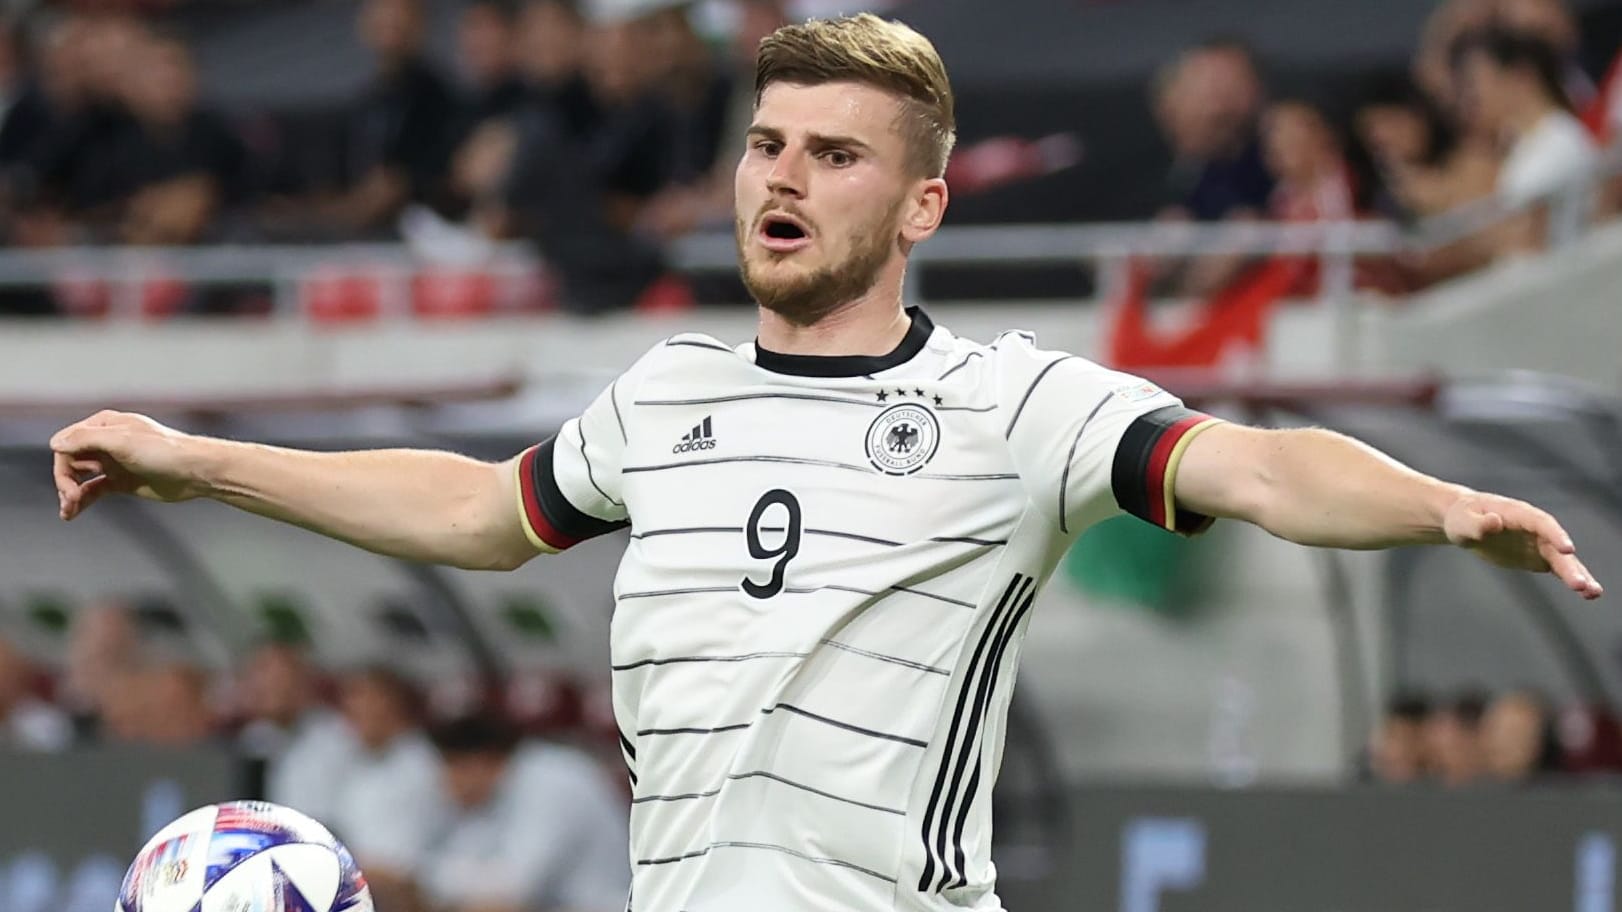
(122, 453)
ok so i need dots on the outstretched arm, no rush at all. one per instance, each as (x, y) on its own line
(413, 504)
(1317, 487)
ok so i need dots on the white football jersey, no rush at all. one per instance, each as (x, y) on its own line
(818, 617)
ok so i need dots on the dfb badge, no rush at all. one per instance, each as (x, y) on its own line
(903, 439)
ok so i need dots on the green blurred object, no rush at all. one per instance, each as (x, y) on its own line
(530, 616)
(49, 611)
(1126, 560)
(283, 615)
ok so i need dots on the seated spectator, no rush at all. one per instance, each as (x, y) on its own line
(1513, 83)
(706, 200)
(399, 137)
(68, 175)
(1452, 738)
(1397, 755)
(487, 50)
(1432, 65)
(308, 747)
(551, 63)
(182, 161)
(1422, 163)
(1518, 738)
(176, 711)
(1208, 102)
(389, 807)
(1551, 22)
(27, 722)
(572, 172)
(1311, 178)
(536, 826)
(104, 656)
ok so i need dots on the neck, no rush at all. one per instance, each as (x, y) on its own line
(1526, 112)
(873, 324)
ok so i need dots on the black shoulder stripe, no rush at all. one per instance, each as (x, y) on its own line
(562, 515)
(1145, 464)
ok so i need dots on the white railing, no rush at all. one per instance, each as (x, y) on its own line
(125, 274)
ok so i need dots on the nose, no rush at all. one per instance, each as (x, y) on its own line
(787, 176)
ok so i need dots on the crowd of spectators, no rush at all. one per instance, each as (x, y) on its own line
(1497, 106)
(464, 810)
(1469, 739)
(593, 129)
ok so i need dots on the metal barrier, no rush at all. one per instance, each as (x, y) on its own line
(1105, 248)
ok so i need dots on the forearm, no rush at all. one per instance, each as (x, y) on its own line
(1325, 489)
(414, 504)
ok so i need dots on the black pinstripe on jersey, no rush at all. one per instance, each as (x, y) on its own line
(989, 678)
(936, 816)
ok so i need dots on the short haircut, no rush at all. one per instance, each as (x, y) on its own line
(1469, 707)
(506, 10)
(483, 733)
(872, 51)
(403, 692)
(1408, 707)
(1509, 49)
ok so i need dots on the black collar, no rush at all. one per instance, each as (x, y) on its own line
(850, 365)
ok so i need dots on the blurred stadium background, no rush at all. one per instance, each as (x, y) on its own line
(448, 223)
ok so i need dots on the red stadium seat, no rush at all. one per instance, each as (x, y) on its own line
(162, 297)
(453, 294)
(333, 295)
(667, 294)
(88, 299)
(1590, 740)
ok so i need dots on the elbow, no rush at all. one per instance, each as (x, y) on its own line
(1258, 495)
(489, 553)
(485, 530)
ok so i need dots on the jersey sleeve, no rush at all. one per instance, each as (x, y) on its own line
(1090, 442)
(569, 485)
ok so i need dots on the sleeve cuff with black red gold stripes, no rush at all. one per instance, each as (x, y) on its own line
(550, 521)
(1145, 469)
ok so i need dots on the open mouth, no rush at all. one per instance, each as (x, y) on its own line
(783, 233)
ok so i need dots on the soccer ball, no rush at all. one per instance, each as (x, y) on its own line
(245, 856)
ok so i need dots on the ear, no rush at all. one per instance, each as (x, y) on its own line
(925, 209)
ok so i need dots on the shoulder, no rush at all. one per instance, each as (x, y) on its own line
(680, 344)
(683, 359)
(1018, 357)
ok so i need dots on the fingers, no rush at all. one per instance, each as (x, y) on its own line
(90, 492)
(1545, 527)
(1554, 545)
(80, 451)
(1571, 571)
(67, 484)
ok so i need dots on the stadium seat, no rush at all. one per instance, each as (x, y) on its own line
(333, 295)
(453, 294)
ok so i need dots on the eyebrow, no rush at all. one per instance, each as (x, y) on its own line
(820, 140)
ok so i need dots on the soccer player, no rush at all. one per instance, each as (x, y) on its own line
(838, 530)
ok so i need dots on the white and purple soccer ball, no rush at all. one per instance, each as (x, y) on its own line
(245, 856)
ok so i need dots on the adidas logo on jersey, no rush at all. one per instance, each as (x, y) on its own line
(701, 437)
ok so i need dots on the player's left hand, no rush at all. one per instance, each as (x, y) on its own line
(1514, 534)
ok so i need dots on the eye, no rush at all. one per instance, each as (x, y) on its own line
(839, 158)
(768, 147)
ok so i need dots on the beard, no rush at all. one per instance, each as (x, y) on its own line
(807, 297)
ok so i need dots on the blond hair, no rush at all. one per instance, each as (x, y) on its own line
(875, 52)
